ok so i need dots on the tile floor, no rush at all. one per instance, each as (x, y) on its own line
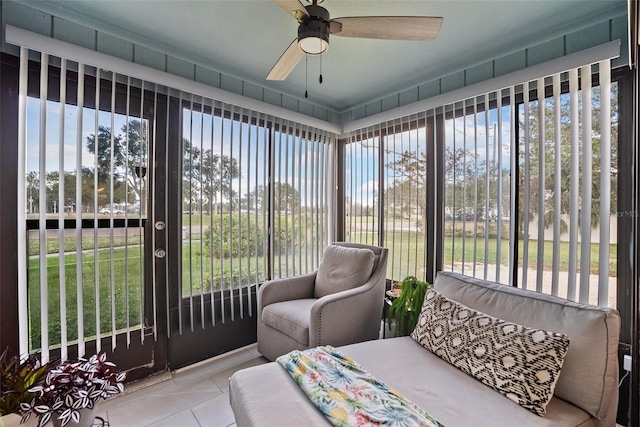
(196, 396)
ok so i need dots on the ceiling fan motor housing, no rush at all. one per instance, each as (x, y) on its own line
(313, 31)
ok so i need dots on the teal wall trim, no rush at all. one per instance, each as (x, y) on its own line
(29, 17)
(596, 34)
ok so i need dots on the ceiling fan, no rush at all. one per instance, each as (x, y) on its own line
(315, 26)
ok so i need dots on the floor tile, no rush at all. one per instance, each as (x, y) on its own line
(158, 404)
(222, 378)
(183, 419)
(215, 412)
(195, 396)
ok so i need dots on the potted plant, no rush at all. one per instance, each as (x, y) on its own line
(16, 378)
(70, 392)
(405, 308)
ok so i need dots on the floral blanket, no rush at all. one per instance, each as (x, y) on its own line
(347, 394)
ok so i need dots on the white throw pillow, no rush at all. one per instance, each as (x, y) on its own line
(343, 268)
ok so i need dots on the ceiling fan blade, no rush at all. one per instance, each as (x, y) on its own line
(294, 8)
(287, 62)
(420, 28)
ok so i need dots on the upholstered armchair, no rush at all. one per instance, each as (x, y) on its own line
(340, 303)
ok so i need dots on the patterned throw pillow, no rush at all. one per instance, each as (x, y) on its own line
(519, 362)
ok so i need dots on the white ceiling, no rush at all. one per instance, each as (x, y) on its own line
(244, 38)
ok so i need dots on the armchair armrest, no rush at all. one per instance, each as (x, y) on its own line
(286, 289)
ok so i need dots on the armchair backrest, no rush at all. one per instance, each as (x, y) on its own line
(379, 254)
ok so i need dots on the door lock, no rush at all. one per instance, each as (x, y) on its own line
(160, 225)
(160, 253)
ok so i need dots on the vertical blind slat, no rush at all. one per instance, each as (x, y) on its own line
(272, 149)
(422, 194)
(297, 169)
(454, 173)
(541, 183)
(605, 181)
(475, 185)
(500, 189)
(112, 168)
(513, 184)
(23, 238)
(487, 185)
(62, 207)
(587, 154)
(250, 168)
(223, 278)
(240, 215)
(464, 186)
(126, 230)
(527, 187)
(394, 174)
(200, 213)
(275, 204)
(231, 133)
(44, 298)
(96, 257)
(557, 186)
(79, 175)
(574, 184)
(190, 233)
(434, 229)
(212, 213)
(142, 210)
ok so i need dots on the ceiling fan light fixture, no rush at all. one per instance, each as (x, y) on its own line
(313, 32)
(314, 45)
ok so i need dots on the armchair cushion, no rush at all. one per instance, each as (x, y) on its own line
(290, 317)
(343, 268)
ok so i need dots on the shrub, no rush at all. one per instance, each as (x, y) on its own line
(233, 236)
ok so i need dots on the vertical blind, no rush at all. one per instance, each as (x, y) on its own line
(529, 185)
(82, 137)
(255, 204)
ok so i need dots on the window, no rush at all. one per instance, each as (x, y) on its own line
(254, 203)
(85, 195)
(524, 193)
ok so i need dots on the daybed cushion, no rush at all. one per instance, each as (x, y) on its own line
(519, 362)
(266, 395)
(589, 375)
(343, 268)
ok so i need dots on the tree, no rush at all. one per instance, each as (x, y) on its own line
(207, 177)
(406, 190)
(533, 148)
(33, 191)
(286, 198)
(128, 150)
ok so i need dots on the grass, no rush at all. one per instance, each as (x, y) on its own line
(119, 294)
(119, 285)
(406, 253)
(53, 244)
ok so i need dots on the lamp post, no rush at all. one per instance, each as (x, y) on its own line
(141, 172)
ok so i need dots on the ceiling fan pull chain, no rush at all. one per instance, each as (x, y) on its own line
(320, 79)
(306, 77)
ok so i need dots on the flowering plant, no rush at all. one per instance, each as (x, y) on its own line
(72, 386)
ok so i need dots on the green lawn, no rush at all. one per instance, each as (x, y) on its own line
(126, 293)
(406, 253)
(53, 244)
(120, 278)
